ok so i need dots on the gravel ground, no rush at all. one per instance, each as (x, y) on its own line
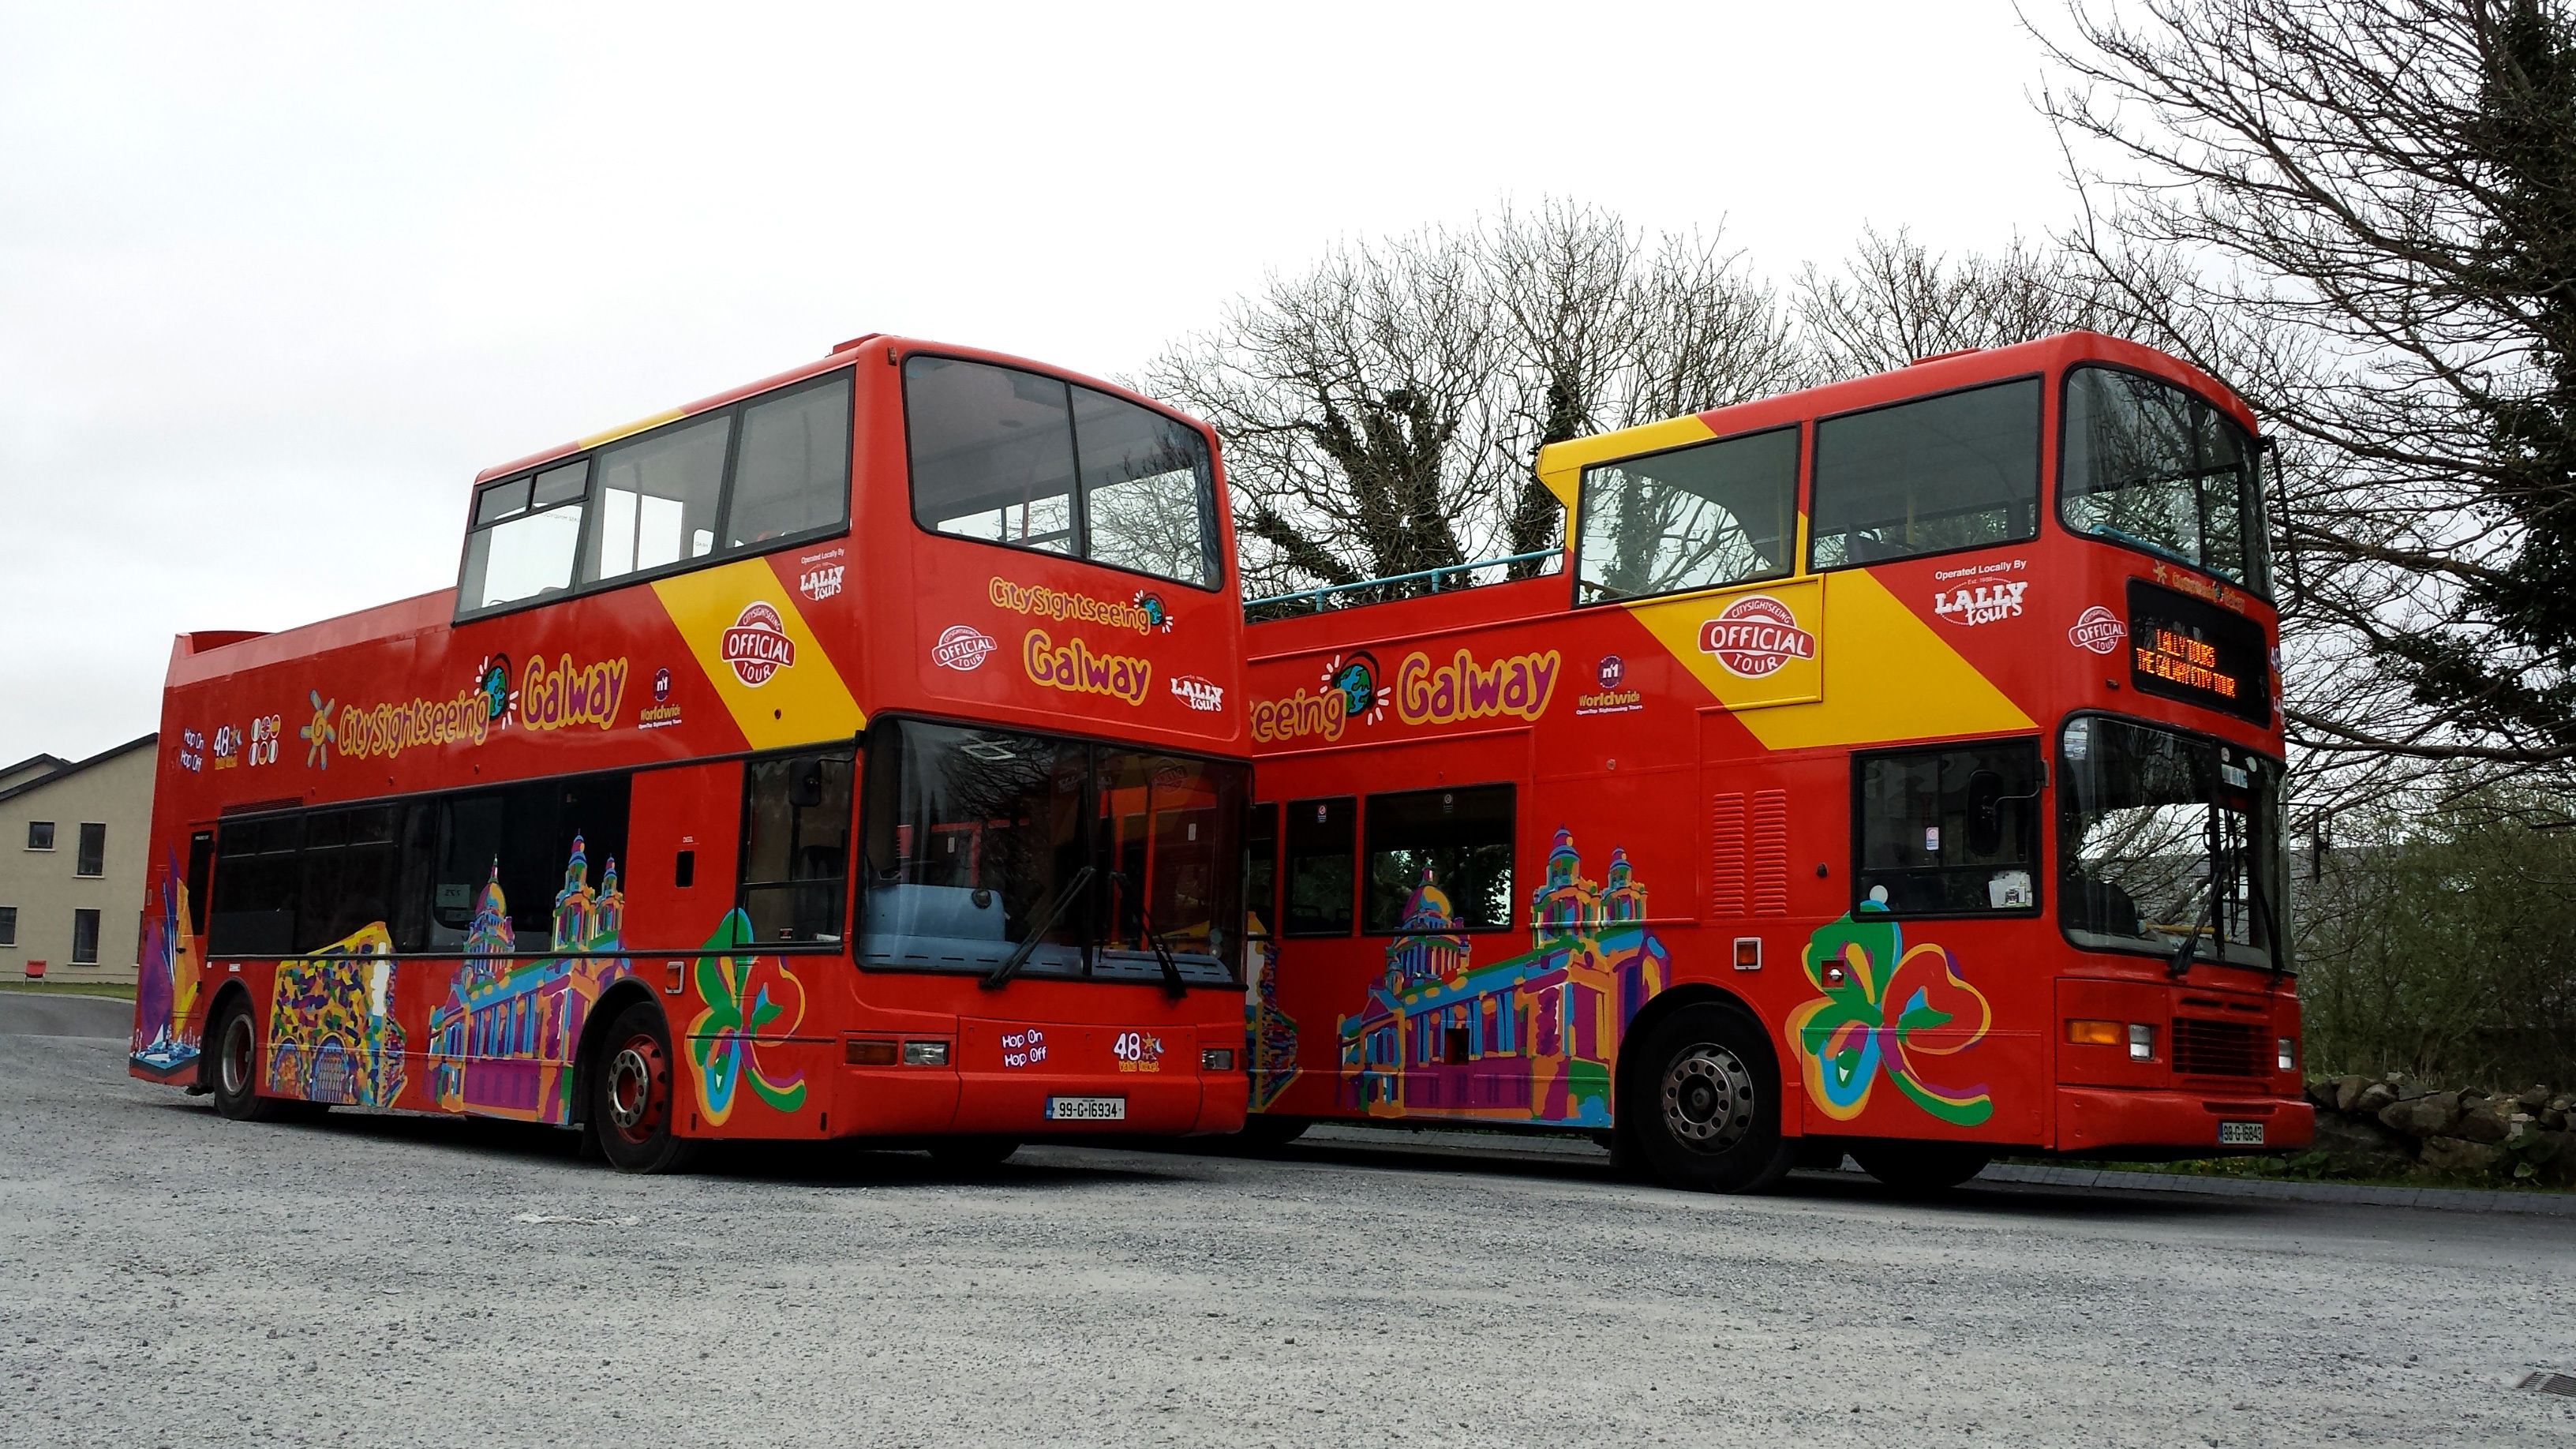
(167, 1277)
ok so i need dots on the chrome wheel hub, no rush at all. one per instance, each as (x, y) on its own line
(630, 1089)
(1708, 1098)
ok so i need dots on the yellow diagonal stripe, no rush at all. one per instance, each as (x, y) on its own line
(1879, 674)
(801, 703)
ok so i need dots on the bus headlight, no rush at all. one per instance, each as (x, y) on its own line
(2142, 1042)
(1216, 1059)
(2288, 1052)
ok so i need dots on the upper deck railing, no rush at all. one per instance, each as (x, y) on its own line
(1397, 586)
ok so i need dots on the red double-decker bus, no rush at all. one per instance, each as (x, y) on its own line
(853, 754)
(1890, 768)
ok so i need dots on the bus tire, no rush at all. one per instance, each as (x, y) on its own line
(237, 1063)
(1711, 1098)
(972, 1154)
(1265, 1133)
(634, 1089)
(1919, 1169)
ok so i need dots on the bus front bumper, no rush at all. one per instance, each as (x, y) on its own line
(2103, 1121)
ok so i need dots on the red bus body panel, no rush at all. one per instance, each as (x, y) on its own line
(641, 677)
(1669, 808)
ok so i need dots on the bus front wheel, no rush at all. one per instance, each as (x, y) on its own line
(1921, 1168)
(237, 1067)
(1709, 1120)
(631, 1095)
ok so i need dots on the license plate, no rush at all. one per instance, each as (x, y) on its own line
(2240, 1134)
(1096, 1109)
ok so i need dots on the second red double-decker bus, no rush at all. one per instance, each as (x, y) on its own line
(854, 754)
(1892, 768)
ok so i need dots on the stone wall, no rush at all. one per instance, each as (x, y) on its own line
(2396, 1126)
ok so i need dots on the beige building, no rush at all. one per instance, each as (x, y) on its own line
(73, 840)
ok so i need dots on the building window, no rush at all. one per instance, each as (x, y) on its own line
(1320, 861)
(84, 938)
(93, 850)
(40, 835)
(1455, 841)
(8, 925)
(1950, 831)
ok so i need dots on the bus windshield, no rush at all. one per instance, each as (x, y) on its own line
(2166, 838)
(974, 835)
(2153, 466)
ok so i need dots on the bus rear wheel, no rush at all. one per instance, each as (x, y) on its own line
(1709, 1118)
(1921, 1168)
(631, 1095)
(237, 1065)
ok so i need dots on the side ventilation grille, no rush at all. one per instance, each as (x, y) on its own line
(1770, 852)
(1726, 855)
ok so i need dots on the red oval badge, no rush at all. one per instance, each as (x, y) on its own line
(757, 645)
(1755, 635)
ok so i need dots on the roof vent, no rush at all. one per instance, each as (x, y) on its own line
(1939, 356)
(858, 341)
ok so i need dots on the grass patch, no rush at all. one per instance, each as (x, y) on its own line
(2310, 1167)
(120, 990)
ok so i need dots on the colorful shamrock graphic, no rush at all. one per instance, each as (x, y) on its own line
(748, 997)
(1886, 1009)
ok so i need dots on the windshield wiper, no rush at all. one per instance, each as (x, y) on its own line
(1173, 985)
(2181, 963)
(1019, 957)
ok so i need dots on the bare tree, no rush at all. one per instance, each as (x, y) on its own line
(1382, 411)
(1896, 300)
(2364, 213)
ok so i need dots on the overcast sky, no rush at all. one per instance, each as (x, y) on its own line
(276, 282)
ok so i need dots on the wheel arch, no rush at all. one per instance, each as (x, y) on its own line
(233, 989)
(611, 1004)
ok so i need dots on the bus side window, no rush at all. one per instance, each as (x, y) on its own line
(1261, 868)
(1321, 860)
(796, 846)
(201, 873)
(1956, 470)
(1950, 831)
(256, 884)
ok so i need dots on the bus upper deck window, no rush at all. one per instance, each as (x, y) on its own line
(1700, 517)
(1016, 458)
(992, 453)
(657, 498)
(794, 473)
(2155, 467)
(1144, 485)
(1956, 470)
(527, 531)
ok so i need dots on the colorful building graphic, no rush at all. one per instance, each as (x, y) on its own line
(505, 1039)
(1530, 1039)
(1886, 1010)
(1269, 1033)
(165, 1040)
(332, 1033)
